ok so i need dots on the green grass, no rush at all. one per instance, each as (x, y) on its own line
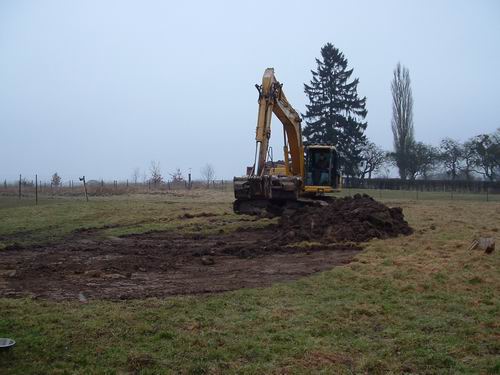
(54, 219)
(418, 304)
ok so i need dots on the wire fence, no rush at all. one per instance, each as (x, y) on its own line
(417, 195)
(33, 189)
(29, 189)
(457, 186)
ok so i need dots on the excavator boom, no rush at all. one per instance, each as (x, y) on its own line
(272, 99)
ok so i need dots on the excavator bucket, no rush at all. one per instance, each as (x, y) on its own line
(264, 195)
(267, 187)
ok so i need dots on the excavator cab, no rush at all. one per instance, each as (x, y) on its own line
(321, 169)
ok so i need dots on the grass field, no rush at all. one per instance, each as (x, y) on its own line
(417, 304)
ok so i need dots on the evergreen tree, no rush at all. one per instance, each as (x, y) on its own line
(335, 112)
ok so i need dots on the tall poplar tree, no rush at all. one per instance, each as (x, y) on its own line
(335, 113)
(402, 120)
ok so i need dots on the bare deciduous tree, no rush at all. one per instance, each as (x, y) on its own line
(56, 180)
(421, 160)
(155, 171)
(451, 155)
(469, 159)
(135, 175)
(177, 176)
(208, 173)
(487, 154)
(373, 158)
(402, 118)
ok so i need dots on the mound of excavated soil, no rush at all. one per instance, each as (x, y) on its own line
(357, 219)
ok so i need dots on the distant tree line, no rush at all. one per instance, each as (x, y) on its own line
(476, 158)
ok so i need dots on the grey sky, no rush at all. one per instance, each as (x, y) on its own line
(101, 87)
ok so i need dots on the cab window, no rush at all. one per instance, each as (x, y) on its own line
(318, 167)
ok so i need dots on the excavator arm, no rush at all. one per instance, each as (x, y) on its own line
(263, 185)
(272, 99)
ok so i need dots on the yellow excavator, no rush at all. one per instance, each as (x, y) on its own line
(306, 174)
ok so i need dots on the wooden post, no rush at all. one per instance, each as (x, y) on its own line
(19, 186)
(189, 180)
(85, 187)
(36, 189)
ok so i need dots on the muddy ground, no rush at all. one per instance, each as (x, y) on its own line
(160, 264)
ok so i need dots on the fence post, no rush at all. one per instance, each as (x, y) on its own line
(85, 187)
(36, 189)
(19, 186)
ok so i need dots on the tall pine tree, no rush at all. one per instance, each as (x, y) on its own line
(335, 114)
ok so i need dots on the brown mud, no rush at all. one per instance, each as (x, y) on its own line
(162, 264)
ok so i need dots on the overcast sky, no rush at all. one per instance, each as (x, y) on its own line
(101, 87)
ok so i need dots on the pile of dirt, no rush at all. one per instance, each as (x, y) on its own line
(356, 219)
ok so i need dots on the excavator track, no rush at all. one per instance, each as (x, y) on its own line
(270, 208)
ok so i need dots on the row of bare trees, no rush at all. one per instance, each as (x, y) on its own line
(55, 181)
(478, 157)
(155, 175)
